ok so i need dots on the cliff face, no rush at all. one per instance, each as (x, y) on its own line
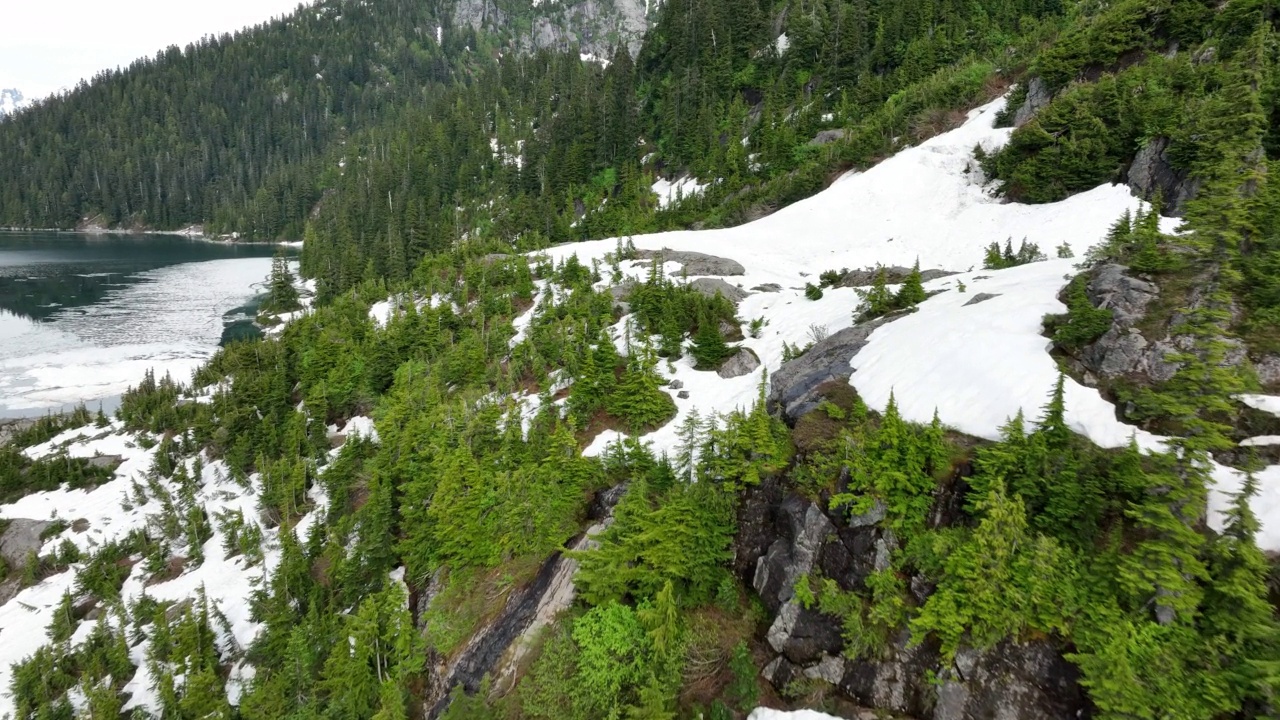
(595, 27)
(783, 537)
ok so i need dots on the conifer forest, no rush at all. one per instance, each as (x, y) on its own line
(620, 385)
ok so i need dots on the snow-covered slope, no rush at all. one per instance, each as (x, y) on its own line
(976, 364)
(110, 512)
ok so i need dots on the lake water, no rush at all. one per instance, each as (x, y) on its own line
(83, 317)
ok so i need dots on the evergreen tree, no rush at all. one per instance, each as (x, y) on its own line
(911, 293)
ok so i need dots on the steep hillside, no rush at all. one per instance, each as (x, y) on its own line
(936, 416)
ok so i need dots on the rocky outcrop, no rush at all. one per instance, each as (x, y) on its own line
(1124, 351)
(1152, 173)
(590, 26)
(783, 536)
(981, 298)
(892, 275)
(1038, 96)
(20, 538)
(711, 286)
(794, 388)
(695, 263)
(743, 362)
(826, 137)
(502, 643)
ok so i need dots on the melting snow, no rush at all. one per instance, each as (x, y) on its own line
(977, 365)
(670, 193)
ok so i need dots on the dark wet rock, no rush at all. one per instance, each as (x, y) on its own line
(695, 263)
(768, 288)
(1153, 173)
(495, 640)
(982, 297)
(711, 286)
(783, 537)
(1038, 96)
(742, 363)
(794, 387)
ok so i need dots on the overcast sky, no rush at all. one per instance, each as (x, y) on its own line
(46, 45)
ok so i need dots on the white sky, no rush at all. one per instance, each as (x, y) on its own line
(46, 45)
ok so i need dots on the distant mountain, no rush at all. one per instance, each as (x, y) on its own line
(11, 101)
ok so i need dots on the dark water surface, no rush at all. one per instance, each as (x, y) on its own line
(82, 317)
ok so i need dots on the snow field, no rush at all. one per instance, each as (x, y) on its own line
(976, 365)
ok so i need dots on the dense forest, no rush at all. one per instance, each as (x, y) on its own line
(427, 173)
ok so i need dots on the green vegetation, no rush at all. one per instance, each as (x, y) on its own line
(387, 165)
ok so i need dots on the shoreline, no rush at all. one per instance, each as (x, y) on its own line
(201, 237)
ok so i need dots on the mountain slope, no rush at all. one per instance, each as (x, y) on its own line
(676, 472)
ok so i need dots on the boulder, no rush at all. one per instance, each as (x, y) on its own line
(1153, 173)
(1038, 96)
(742, 363)
(794, 387)
(893, 276)
(826, 137)
(710, 286)
(982, 297)
(21, 538)
(695, 263)
(105, 461)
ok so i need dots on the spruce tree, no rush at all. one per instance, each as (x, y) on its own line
(709, 348)
(912, 291)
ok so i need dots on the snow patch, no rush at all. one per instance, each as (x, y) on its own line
(670, 193)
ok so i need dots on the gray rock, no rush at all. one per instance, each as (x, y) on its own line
(1268, 369)
(871, 517)
(1038, 97)
(1111, 287)
(768, 288)
(826, 137)
(711, 286)
(10, 588)
(982, 297)
(21, 538)
(676, 385)
(793, 388)
(683, 394)
(892, 275)
(830, 669)
(105, 461)
(1123, 350)
(794, 554)
(1152, 172)
(621, 293)
(742, 363)
(695, 263)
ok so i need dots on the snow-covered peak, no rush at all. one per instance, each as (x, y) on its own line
(11, 101)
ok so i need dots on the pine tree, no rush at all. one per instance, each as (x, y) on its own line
(709, 348)
(912, 291)
(282, 296)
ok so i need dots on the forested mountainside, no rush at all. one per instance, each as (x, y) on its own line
(953, 391)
